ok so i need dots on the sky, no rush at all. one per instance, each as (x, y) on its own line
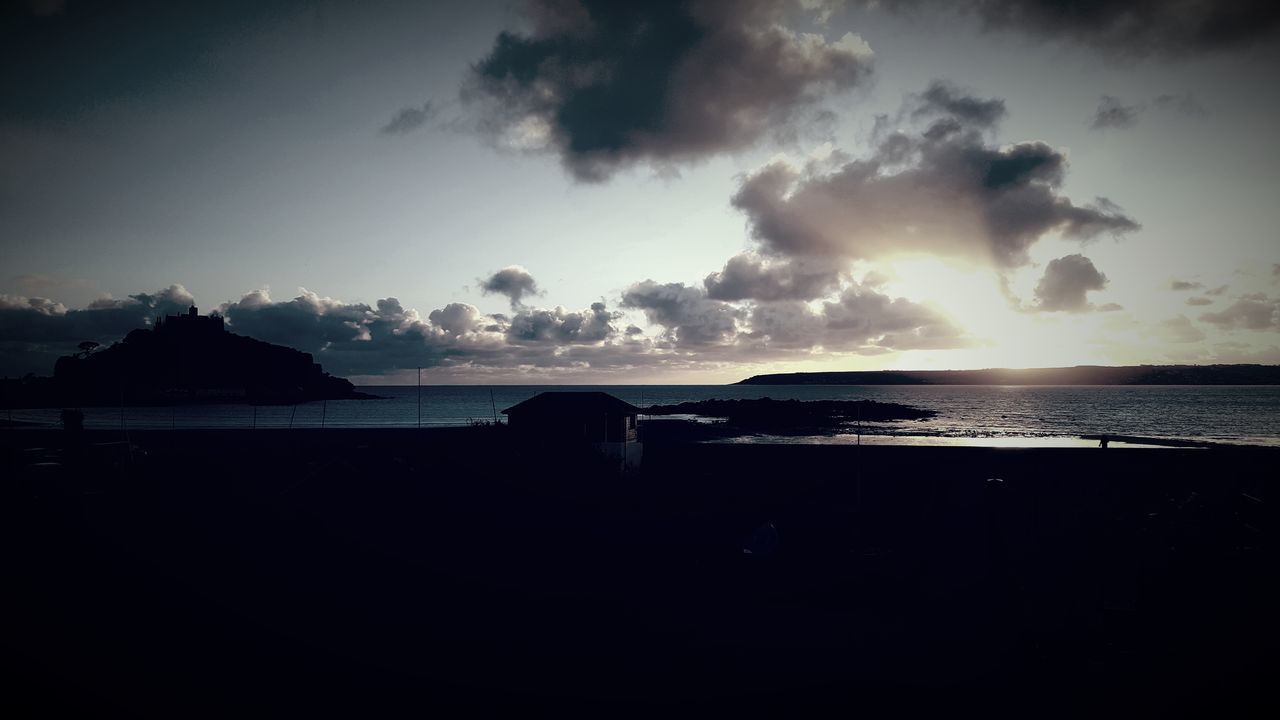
(679, 191)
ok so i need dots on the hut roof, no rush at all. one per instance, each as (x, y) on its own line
(574, 403)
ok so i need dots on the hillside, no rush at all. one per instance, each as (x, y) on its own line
(1079, 375)
(184, 359)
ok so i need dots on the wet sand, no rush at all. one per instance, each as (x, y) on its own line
(205, 572)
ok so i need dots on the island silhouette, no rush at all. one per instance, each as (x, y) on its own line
(182, 359)
(1240, 374)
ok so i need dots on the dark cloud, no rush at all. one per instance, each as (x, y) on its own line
(512, 281)
(308, 322)
(942, 98)
(747, 276)
(409, 119)
(1110, 307)
(1113, 113)
(458, 340)
(1199, 301)
(1181, 285)
(606, 85)
(1251, 312)
(1065, 284)
(1125, 28)
(359, 339)
(558, 325)
(859, 319)
(34, 332)
(944, 191)
(690, 317)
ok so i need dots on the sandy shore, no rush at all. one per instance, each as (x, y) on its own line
(202, 572)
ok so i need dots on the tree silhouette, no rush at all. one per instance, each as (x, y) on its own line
(87, 347)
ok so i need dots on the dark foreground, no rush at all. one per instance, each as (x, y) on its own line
(399, 572)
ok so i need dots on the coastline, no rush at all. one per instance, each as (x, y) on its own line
(996, 416)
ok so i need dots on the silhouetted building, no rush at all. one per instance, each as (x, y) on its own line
(596, 418)
(193, 323)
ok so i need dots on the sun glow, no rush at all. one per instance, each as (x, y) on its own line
(1002, 334)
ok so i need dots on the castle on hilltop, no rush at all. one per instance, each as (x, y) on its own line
(193, 323)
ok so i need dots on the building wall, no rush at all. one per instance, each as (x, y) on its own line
(605, 428)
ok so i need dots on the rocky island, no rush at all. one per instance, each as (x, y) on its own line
(776, 417)
(182, 359)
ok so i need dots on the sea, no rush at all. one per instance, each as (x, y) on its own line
(982, 415)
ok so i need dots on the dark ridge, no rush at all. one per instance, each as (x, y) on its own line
(1078, 375)
(184, 359)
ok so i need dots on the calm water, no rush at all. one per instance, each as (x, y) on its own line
(997, 415)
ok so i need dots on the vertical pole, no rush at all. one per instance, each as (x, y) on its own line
(255, 418)
(493, 406)
(419, 398)
(292, 414)
(324, 410)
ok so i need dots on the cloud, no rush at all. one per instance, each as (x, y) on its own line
(1065, 284)
(1113, 113)
(945, 191)
(864, 317)
(747, 276)
(1199, 301)
(858, 319)
(409, 119)
(690, 317)
(559, 325)
(609, 85)
(35, 331)
(1251, 312)
(1126, 28)
(1179, 285)
(1179, 330)
(369, 340)
(945, 99)
(513, 281)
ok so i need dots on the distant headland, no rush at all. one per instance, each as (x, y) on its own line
(1078, 375)
(182, 359)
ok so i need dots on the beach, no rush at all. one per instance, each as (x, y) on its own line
(197, 572)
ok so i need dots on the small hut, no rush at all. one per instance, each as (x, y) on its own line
(570, 418)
